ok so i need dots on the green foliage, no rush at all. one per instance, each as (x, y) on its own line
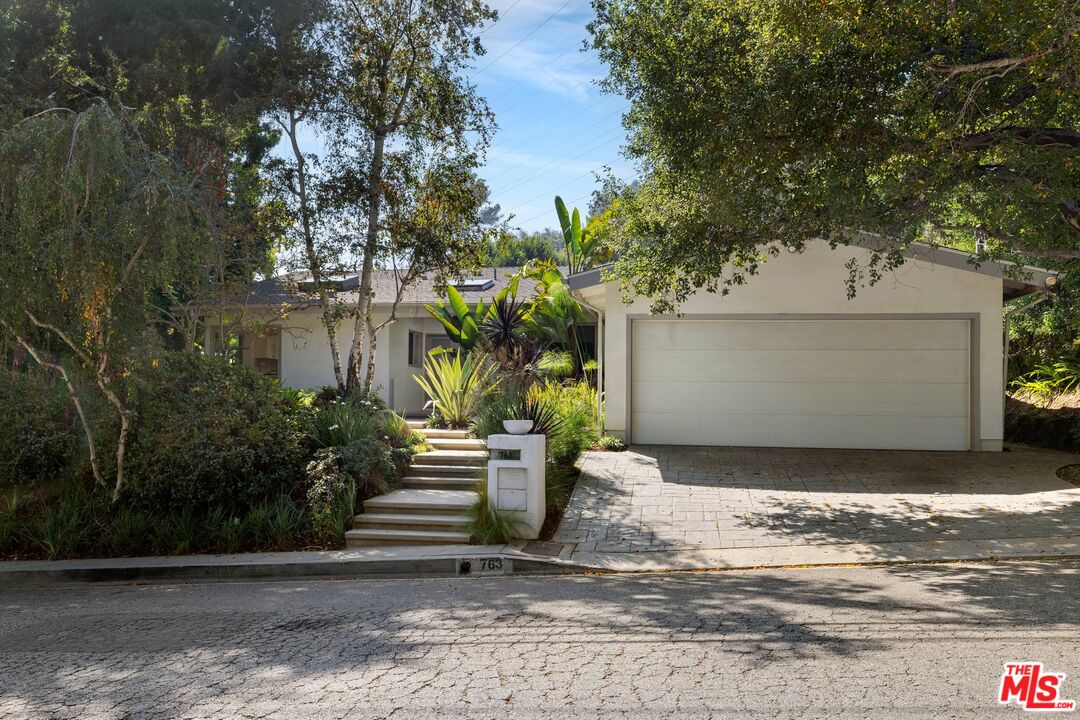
(764, 125)
(574, 404)
(211, 435)
(559, 485)
(610, 443)
(564, 412)
(461, 322)
(66, 526)
(455, 382)
(91, 223)
(273, 524)
(556, 364)
(38, 436)
(1048, 331)
(343, 422)
(516, 250)
(339, 477)
(130, 530)
(583, 249)
(489, 525)
(1051, 380)
(555, 317)
(395, 429)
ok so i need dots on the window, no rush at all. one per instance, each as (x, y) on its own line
(416, 348)
(262, 351)
(439, 341)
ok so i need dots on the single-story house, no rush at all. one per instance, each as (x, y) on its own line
(293, 346)
(914, 362)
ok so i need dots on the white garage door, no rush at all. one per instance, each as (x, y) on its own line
(899, 384)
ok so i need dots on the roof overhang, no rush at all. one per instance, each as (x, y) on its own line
(1017, 280)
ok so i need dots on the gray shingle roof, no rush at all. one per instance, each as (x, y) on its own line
(284, 289)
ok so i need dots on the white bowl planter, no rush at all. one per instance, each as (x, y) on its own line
(517, 427)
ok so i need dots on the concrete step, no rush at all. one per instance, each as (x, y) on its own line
(416, 423)
(439, 443)
(409, 521)
(422, 500)
(458, 482)
(471, 471)
(367, 537)
(451, 457)
(432, 433)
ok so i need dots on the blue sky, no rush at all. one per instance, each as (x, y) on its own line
(555, 127)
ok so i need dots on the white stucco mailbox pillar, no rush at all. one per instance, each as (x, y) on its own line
(516, 479)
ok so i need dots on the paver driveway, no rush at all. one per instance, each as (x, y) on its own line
(656, 498)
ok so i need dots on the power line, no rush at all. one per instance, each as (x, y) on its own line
(527, 36)
(500, 17)
(572, 203)
(552, 190)
(587, 127)
(530, 138)
(552, 61)
(555, 165)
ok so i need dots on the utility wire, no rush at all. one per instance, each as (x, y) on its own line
(552, 190)
(530, 138)
(501, 16)
(527, 36)
(572, 203)
(586, 147)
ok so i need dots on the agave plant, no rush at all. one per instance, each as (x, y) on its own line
(455, 382)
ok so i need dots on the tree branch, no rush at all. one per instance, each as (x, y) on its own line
(1007, 64)
(1045, 137)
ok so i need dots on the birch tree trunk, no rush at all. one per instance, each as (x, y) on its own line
(358, 384)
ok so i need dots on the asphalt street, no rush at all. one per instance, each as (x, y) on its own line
(897, 642)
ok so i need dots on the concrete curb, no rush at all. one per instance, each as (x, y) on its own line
(899, 553)
(440, 561)
(515, 559)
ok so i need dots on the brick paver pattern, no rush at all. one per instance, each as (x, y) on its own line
(678, 498)
(895, 643)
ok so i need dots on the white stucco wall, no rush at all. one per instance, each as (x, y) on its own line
(814, 282)
(305, 354)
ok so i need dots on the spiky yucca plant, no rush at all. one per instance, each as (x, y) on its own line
(455, 383)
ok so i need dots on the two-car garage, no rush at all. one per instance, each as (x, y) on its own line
(791, 358)
(823, 382)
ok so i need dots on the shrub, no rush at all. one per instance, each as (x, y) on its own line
(130, 531)
(343, 422)
(455, 384)
(575, 405)
(1046, 382)
(272, 524)
(68, 526)
(39, 436)
(211, 435)
(397, 432)
(610, 443)
(351, 473)
(565, 412)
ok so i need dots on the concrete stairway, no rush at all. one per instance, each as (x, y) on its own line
(436, 494)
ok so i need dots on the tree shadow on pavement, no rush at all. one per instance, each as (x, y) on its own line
(110, 646)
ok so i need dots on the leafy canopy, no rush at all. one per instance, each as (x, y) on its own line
(762, 124)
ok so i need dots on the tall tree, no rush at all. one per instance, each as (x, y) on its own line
(199, 72)
(760, 125)
(91, 221)
(403, 115)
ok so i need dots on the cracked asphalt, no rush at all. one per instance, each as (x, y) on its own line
(899, 642)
